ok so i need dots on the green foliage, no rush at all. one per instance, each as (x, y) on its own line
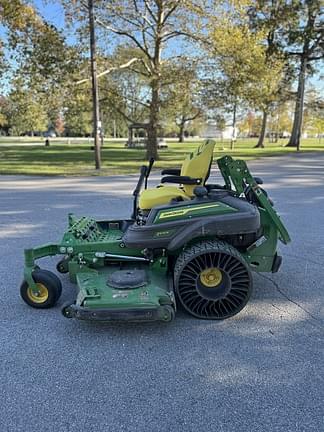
(78, 113)
(19, 17)
(27, 111)
(296, 29)
(124, 92)
(43, 70)
(181, 102)
(4, 113)
(314, 113)
(249, 73)
(280, 120)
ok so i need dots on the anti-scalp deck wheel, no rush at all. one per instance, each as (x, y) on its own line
(49, 289)
(63, 266)
(212, 280)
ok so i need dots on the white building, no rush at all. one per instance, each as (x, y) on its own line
(211, 131)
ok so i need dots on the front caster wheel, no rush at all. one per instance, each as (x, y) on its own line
(212, 280)
(49, 289)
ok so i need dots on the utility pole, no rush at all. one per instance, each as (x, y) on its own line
(115, 131)
(95, 92)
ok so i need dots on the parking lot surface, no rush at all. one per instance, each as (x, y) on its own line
(259, 371)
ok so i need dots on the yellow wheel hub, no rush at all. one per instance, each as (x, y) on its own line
(211, 277)
(41, 296)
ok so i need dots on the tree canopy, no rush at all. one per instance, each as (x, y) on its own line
(165, 63)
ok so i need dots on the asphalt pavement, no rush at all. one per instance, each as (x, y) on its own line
(259, 371)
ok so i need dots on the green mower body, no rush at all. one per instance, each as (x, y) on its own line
(198, 253)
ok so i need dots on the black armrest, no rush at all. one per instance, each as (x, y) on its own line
(181, 180)
(215, 186)
(171, 171)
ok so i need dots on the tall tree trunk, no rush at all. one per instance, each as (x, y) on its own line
(181, 132)
(94, 87)
(234, 126)
(152, 131)
(294, 140)
(260, 143)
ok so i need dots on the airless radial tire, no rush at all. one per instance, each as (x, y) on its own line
(212, 280)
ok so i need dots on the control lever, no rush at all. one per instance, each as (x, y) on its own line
(138, 188)
(148, 171)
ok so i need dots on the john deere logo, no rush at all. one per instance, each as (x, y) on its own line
(163, 233)
(185, 211)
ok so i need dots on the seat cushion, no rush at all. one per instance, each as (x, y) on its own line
(197, 165)
(150, 198)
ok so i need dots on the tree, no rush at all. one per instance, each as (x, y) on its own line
(125, 90)
(148, 26)
(43, 66)
(270, 17)
(248, 74)
(19, 17)
(280, 120)
(49, 67)
(182, 103)
(250, 121)
(246, 125)
(318, 126)
(4, 115)
(77, 113)
(20, 20)
(59, 125)
(27, 112)
(296, 29)
(313, 113)
(305, 40)
(3, 64)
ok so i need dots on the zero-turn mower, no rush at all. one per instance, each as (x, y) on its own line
(188, 243)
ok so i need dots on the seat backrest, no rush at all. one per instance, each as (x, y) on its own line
(197, 164)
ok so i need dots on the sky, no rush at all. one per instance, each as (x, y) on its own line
(51, 11)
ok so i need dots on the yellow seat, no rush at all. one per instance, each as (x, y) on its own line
(196, 165)
(161, 195)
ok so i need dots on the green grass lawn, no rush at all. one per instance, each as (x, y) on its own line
(77, 159)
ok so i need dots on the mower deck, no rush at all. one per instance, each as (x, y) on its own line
(110, 294)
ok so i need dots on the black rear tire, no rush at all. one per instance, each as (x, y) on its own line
(212, 280)
(50, 290)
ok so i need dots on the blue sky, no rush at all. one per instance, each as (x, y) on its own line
(51, 11)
